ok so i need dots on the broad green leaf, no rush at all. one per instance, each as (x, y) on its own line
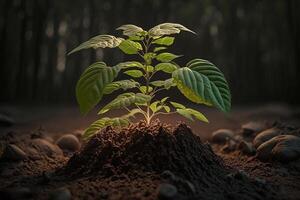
(130, 64)
(167, 84)
(102, 123)
(136, 38)
(185, 114)
(159, 108)
(164, 41)
(89, 88)
(167, 109)
(203, 82)
(191, 113)
(177, 105)
(158, 83)
(123, 84)
(165, 67)
(190, 94)
(166, 57)
(167, 29)
(100, 41)
(143, 89)
(125, 100)
(130, 47)
(156, 49)
(134, 73)
(198, 115)
(130, 30)
(153, 106)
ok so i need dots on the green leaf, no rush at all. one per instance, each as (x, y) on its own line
(198, 115)
(167, 29)
(165, 67)
(185, 114)
(167, 84)
(153, 106)
(177, 105)
(166, 57)
(203, 82)
(158, 83)
(164, 41)
(123, 84)
(143, 89)
(130, 30)
(134, 73)
(125, 100)
(164, 99)
(167, 109)
(130, 64)
(156, 49)
(191, 113)
(89, 88)
(103, 122)
(100, 41)
(136, 38)
(130, 47)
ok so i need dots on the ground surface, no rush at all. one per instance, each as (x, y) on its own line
(36, 176)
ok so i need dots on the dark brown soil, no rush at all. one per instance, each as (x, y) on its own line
(156, 149)
(180, 159)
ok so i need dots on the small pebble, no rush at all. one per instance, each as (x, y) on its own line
(222, 135)
(265, 135)
(283, 148)
(251, 128)
(263, 152)
(287, 149)
(167, 191)
(68, 142)
(60, 194)
(45, 147)
(13, 153)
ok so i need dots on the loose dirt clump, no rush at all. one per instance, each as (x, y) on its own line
(158, 148)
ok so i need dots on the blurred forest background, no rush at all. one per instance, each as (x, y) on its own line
(255, 43)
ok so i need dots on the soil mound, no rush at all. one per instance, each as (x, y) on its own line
(159, 148)
(154, 148)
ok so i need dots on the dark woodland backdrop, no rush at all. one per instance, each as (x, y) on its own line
(256, 43)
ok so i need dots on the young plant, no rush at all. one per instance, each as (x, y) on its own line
(200, 81)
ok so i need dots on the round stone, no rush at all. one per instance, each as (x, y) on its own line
(284, 148)
(68, 142)
(251, 128)
(265, 136)
(45, 147)
(222, 135)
